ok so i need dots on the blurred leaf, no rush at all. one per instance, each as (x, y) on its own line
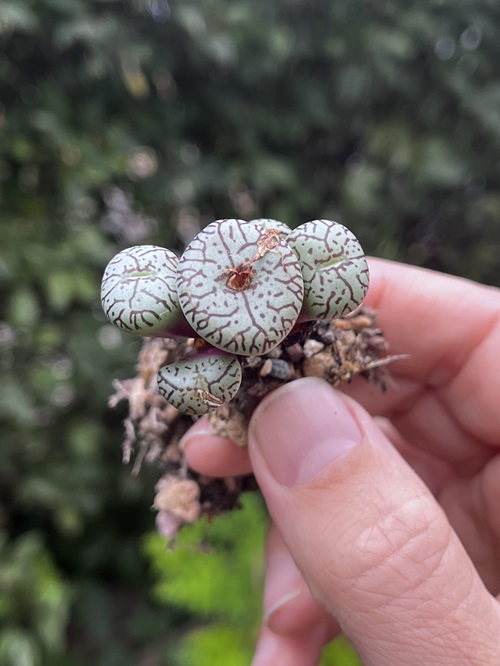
(15, 401)
(202, 582)
(18, 648)
(24, 309)
(213, 572)
(217, 644)
(40, 600)
(17, 16)
(60, 290)
(339, 653)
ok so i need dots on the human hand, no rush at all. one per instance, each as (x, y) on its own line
(386, 516)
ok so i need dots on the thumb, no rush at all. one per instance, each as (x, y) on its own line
(371, 541)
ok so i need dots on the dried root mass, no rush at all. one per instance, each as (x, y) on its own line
(335, 350)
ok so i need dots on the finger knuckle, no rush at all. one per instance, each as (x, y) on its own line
(401, 549)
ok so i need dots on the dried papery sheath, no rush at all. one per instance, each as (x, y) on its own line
(333, 266)
(199, 385)
(138, 291)
(269, 223)
(240, 286)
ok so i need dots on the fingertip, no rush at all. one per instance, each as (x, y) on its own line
(299, 612)
(213, 455)
(200, 428)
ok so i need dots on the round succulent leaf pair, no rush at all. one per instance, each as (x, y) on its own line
(334, 269)
(200, 384)
(138, 291)
(240, 286)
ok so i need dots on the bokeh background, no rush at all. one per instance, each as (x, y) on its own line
(135, 121)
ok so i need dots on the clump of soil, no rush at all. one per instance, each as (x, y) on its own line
(334, 350)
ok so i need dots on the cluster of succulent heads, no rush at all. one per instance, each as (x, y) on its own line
(241, 287)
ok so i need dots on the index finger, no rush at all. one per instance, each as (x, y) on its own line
(437, 319)
(450, 328)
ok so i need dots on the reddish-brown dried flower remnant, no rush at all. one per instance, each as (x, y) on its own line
(241, 277)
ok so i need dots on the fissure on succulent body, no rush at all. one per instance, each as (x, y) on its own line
(242, 287)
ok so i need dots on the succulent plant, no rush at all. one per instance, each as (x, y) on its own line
(138, 291)
(199, 384)
(334, 269)
(240, 286)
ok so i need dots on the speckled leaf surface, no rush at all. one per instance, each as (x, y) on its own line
(333, 266)
(199, 385)
(249, 321)
(138, 290)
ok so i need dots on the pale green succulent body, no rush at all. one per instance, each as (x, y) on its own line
(247, 321)
(334, 268)
(138, 290)
(197, 385)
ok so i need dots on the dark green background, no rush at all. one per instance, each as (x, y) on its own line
(133, 121)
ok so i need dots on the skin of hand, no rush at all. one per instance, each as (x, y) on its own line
(385, 507)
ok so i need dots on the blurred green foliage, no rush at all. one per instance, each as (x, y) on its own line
(215, 574)
(128, 121)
